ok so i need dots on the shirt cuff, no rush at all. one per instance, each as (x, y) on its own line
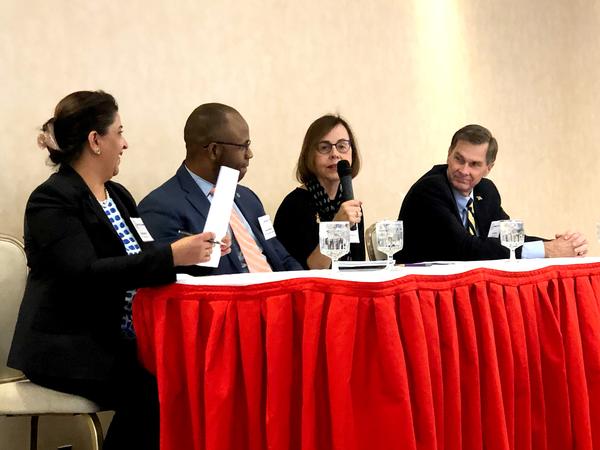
(533, 249)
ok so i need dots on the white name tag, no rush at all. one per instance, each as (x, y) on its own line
(267, 227)
(494, 229)
(141, 229)
(354, 237)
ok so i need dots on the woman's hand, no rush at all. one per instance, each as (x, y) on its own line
(349, 211)
(193, 249)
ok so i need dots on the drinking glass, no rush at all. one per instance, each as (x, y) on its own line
(334, 240)
(512, 235)
(390, 238)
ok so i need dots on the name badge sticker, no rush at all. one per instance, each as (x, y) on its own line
(141, 229)
(267, 227)
(494, 229)
(354, 237)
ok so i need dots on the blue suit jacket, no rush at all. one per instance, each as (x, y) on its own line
(179, 204)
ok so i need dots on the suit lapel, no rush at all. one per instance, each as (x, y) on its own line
(482, 217)
(252, 220)
(99, 214)
(194, 194)
(196, 198)
(93, 211)
(125, 211)
(450, 197)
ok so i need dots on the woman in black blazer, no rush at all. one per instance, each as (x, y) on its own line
(88, 251)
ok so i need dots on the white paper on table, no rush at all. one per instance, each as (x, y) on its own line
(220, 210)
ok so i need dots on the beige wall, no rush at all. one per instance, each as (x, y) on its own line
(406, 74)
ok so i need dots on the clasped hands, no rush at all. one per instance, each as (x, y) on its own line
(567, 244)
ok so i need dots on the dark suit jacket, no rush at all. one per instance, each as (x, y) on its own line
(69, 320)
(179, 204)
(433, 230)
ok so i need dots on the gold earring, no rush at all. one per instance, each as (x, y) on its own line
(98, 151)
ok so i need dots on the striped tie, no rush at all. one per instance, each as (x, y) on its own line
(471, 227)
(255, 259)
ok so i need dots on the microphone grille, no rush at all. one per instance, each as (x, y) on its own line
(343, 168)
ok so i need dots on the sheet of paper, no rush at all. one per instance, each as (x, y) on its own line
(494, 229)
(220, 210)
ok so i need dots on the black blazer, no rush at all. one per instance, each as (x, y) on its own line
(297, 227)
(179, 204)
(69, 320)
(433, 230)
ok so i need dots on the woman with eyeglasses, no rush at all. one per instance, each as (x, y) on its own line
(87, 251)
(328, 140)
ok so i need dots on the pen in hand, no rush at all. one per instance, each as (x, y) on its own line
(212, 241)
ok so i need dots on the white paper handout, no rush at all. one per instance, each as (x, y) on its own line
(220, 210)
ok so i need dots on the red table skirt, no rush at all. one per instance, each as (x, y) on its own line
(481, 360)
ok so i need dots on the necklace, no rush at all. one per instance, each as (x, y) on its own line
(106, 197)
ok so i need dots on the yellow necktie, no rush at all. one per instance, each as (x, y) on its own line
(471, 227)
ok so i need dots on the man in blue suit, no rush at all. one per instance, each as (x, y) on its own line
(215, 135)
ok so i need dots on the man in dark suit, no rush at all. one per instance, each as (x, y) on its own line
(448, 212)
(215, 135)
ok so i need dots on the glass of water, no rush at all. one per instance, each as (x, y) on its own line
(390, 238)
(512, 235)
(334, 240)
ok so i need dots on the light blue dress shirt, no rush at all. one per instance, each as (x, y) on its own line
(461, 203)
(534, 249)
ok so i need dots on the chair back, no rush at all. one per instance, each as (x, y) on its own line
(371, 244)
(13, 276)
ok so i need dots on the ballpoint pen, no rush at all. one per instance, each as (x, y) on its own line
(187, 233)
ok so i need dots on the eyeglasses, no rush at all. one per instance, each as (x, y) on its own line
(245, 146)
(342, 146)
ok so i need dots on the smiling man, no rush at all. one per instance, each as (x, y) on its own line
(448, 212)
(215, 135)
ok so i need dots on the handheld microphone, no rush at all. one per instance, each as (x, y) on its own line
(345, 173)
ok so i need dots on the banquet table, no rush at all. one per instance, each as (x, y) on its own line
(480, 355)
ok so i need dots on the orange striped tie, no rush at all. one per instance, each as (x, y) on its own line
(255, 259)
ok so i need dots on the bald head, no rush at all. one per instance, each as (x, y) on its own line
(216, 135)
(208, 123)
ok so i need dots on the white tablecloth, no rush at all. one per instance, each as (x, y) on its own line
(375, 276)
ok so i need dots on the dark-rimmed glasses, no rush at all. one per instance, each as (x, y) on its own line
(245, 146)
(342, 146)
